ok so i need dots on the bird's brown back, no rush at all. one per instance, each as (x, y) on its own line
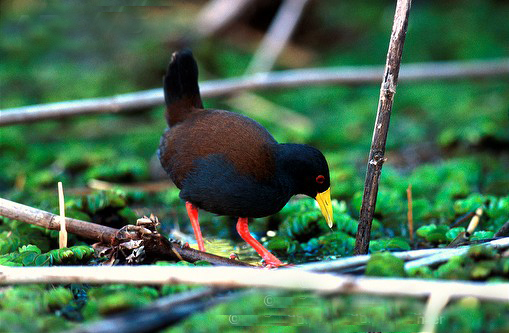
(244, 143)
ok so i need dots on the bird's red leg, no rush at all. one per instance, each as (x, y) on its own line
(192, 211)
(243, 231)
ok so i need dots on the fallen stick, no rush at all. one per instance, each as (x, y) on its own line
(281, 79)
(27, 214)
(449, 253)
(409, 256)
(158, 246)
(351, 262)
(242, 277)
(159, 314)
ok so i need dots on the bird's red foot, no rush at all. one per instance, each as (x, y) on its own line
(192, 211)
(234, 256)
(270, 261)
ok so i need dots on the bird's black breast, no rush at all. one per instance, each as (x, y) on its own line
(215, 185)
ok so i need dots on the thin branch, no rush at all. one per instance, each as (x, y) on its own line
(410, 257)
(357, 261)
(159, 314)
(462, 219)
(150, 187)
(282, 79)
(241, 277)
(376, 156)
(449, 253)
(157, 246)
(503, 231)
(27, 214)
(277, 36)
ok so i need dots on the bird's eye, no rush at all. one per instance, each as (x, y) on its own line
(320, 179)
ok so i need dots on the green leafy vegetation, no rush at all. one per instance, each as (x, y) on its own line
(479, 264)
(30, 255)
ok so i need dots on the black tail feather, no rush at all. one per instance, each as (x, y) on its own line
(181, 83)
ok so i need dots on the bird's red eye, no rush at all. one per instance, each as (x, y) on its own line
(320, 179)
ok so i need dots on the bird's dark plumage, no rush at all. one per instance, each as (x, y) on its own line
(226, 163)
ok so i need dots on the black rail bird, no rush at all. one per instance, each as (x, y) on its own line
(228, 164)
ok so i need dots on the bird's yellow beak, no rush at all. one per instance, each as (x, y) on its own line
(325, 206)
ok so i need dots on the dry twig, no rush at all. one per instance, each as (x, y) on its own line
(283, 79)
(462, 219)
(159, 314)
(449, 253)
(411, 257)
(339, 265)
(376, 156)
(503, 231)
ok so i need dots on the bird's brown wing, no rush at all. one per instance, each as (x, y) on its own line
(243, 142)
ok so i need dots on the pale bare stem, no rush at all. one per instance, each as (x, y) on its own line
(277, 36)
(436, 303)
(474, 222)
(216, 15)
(62, 236)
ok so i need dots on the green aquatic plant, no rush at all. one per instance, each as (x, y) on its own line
(389, 244)
(480, 263)
(433, 233)
(103, 207)
(31, 255)
(108, 300)
(125, 170)
(385, 264)
(495, 209)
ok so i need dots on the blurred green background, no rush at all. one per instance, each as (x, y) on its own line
(444, 136)
(448, 139)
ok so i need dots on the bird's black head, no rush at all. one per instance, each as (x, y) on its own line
(307, 171)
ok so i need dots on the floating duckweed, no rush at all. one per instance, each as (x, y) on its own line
(385, 264)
